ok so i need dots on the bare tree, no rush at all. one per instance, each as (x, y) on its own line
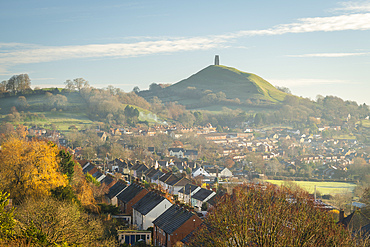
(266, 215)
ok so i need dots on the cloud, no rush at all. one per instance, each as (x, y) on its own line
(48, 54)
(354, 7)
(332, 54)
(317, 24)
(303, 82)
(15, 53)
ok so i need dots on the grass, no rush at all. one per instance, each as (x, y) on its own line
(324, 188)
(345, 137)
(76, 115)
(234, 83)
(365, 123)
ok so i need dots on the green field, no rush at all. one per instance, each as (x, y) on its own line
(324, 188)
(365, 123)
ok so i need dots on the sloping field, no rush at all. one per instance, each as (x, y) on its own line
(325, 188)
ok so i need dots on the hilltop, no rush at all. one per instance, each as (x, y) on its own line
(218, 84)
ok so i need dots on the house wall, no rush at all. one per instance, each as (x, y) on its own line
(128, 207)
(155, 212)
(159, 236)
(184, 230)
(226, 173)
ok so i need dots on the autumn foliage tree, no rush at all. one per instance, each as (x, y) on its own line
(29, 168)
(265, 215)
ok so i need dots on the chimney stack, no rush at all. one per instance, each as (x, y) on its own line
(217, 60)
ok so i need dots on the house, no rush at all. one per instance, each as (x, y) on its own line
(138, 170)
(148, 209)
(175, 185)
(98, 176)
(219, 172)
(102, 136)
(177, 152)
(191, 154)
(167, 178)
(200, 171)
(149, 173)
(130, 237)
(115, 190)
(130, 196)
(179, 165)
(162, 163)
(108, 181)
(89, 168)
(174, 225)
(215, 199)
(186, 192)
(151, 150)
(36, 131)
(357, 221)
(155, 178)
(200, 197)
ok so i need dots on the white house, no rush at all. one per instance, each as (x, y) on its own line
(200, 197)
(187, 192)
(148, 209)
(219, 172)
(178, 152)
(175, 185)
(200, 171)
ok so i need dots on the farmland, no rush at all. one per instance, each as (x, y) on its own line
(324, 188)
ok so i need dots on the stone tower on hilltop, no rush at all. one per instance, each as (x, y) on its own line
(217, 60)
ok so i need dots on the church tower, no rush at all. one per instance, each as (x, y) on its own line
(217, 60)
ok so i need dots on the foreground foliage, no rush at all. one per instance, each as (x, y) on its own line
(29, 168)
(266, 215)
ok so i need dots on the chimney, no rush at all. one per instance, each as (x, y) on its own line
(217, 60)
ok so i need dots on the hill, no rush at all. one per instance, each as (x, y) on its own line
(234, 84)
(65, 109)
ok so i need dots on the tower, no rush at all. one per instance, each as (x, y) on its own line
(217, 60)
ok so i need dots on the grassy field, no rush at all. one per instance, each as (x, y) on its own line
(365, 123)
(324, 188)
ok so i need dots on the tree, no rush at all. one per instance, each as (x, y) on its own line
(58, 223)
(66, 163)
(3, 86)
(18, 83)
(29, 168)
(7, 222)
(22, 103)
(266, 215)
(70, 86)
(136, 89)
(80, 83)
(284, 89)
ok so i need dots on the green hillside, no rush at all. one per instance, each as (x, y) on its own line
(74, 111)
(234, 83)
(219, 86)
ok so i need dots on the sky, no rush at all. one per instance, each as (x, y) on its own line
(313, 47)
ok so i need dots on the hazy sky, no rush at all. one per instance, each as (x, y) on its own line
(310, 46)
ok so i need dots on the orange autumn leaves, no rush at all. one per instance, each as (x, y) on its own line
(29, 168)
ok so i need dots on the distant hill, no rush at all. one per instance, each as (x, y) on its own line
(213, 79)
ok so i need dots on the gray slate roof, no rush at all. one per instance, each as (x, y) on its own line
(107, 180)
(172, 218)
(88, 168)
(179, 182)
(148, 203)
(202, 194)
(116, 189)
(188, 189)
(129, 193)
